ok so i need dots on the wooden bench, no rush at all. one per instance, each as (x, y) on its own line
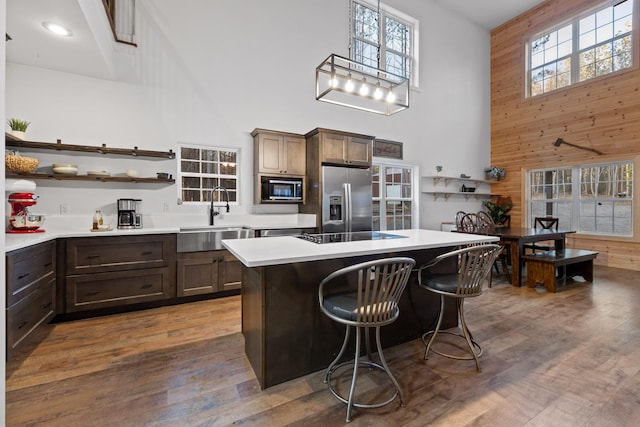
(542, 266)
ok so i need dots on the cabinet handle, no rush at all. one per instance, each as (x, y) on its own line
(48, 264)
(23, 324)
(147, 286)
(93, 256)
(215, 260)
(47, 305)
(23, 276)
(90, 294)
(147, 253)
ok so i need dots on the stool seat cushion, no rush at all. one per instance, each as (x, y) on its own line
(344, 305)
(441, 282)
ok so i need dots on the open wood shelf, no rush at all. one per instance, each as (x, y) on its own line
(12, 141)
(448, 179)
(467, 194)
(62, 177)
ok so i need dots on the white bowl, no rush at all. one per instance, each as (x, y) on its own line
(132, 173)
(65, 169)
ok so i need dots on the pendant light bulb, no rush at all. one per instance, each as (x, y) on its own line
(391, 97)
(377, 94)
(364, 89)
(333, 81)
(349, 86)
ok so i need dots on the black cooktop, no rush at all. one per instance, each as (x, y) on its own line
(347, 237)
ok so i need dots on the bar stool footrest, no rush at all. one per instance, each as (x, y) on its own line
(365, 364)
(452, 356)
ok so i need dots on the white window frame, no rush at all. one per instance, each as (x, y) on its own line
(408, 20)
(575, 53)
(383, 199)
(575, 203)
(205, 197)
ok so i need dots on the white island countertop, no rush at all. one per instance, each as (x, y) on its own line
(289, 249)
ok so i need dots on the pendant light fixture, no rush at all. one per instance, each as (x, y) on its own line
(349, 83)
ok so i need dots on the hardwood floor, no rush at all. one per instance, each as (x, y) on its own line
(565, 359)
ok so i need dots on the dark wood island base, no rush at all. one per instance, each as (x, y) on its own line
(286, 336)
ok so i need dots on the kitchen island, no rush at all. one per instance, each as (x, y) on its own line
(286, 335)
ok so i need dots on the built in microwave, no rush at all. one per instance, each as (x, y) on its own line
(281, 189)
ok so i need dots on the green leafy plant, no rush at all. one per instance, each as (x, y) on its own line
(498, 207)
(18, 125)
(438, 168)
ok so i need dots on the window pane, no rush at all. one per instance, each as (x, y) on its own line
(381, 40)
(189, 166)
(190, 153)
(365, 23)
(604, 46)
(203, 170)
(397, 36)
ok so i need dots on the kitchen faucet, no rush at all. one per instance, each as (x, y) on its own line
(213, 213)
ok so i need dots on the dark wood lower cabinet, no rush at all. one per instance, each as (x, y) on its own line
(116, 271)
(207, 272)
(30, 287)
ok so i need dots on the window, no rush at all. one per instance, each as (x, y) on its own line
(393, 197)
(589, 46)
(398, 33)
(595, 199)
(203, 169)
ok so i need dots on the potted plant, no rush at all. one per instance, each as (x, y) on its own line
(18, 127)
(498, 207)
(438, 170)
(495, 172)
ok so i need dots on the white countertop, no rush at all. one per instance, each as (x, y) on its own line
(66, 226)
(289, 249)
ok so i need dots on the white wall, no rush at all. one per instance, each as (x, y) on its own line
(212, 71)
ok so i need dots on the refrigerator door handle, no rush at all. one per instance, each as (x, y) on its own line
(347, 207)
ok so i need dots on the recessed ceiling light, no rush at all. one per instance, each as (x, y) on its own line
(57, 29)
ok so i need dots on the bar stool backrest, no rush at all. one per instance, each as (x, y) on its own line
(378, 284)
(474, 265)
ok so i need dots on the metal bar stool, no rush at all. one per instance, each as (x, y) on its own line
(474, 265)
(365, 296)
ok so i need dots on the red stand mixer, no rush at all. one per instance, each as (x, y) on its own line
(21, 221)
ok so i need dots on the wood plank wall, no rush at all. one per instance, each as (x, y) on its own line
(603, 114)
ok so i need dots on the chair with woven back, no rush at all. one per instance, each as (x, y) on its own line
(486, 225)
(543, 223)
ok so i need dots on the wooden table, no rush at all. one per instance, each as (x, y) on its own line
(517, 237)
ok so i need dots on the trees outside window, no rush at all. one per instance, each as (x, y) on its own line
(591, 45)
(202, 169)
(594, 199)
(383, 40)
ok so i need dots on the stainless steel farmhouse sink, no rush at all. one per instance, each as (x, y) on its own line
(209, 238)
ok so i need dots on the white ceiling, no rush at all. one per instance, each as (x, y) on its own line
(33, 45)
(80, 54)
(489, 13)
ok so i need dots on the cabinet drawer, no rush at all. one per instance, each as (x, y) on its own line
(90, 291)
(27, 268)
(25, 316)
(103, 254)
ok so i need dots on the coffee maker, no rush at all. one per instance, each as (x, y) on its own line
(128, 216)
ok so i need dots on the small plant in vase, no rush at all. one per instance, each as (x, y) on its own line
(495, 172)
(438, 170)
(18, 127)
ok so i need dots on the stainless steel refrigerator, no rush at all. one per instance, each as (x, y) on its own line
(346, 199)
